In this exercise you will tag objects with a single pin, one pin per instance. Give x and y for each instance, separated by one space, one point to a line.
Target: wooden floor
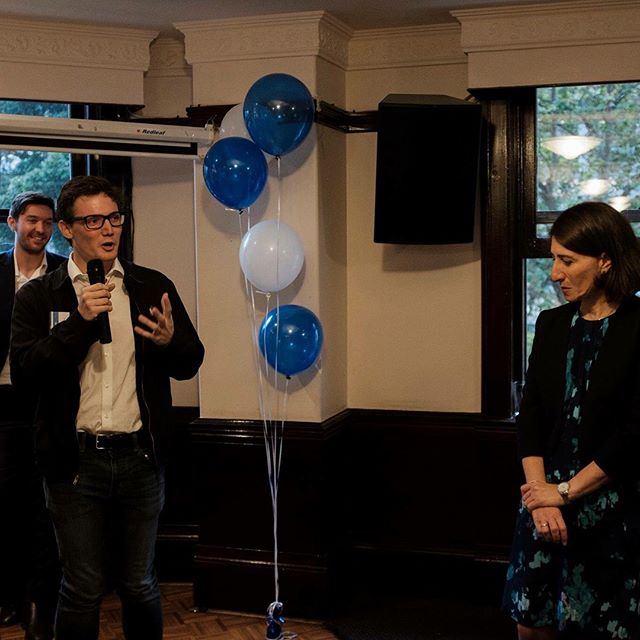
180 623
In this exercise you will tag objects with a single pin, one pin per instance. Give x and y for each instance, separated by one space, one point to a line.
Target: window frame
508 237
508 184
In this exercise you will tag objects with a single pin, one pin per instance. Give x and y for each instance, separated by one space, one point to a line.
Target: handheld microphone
95 271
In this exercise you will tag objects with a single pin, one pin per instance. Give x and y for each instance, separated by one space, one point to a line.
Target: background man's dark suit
28 555
8 292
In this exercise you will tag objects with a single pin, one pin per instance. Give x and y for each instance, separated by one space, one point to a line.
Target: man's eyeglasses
96 221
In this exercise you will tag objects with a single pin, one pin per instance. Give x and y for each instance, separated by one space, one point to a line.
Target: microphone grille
95 271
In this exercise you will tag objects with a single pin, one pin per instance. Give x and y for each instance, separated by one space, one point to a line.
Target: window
527 183
32 170
587 138
48 171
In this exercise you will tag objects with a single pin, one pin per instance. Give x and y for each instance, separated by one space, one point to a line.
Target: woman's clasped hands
543 501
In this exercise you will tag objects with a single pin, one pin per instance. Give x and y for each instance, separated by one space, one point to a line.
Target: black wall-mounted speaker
427 169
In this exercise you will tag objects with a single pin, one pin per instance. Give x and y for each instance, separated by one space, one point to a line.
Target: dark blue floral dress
589 589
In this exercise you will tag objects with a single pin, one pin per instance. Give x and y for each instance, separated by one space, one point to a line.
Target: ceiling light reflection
621 203
595 187
571 147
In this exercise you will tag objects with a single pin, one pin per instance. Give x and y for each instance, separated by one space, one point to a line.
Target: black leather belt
110 441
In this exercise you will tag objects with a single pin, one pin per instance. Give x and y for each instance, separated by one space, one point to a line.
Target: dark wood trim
178 532
406 458
359 492
509 149
185 416
417 419
204 430
175 550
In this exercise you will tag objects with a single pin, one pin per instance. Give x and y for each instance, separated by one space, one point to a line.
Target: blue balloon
293 335
278 111
235 172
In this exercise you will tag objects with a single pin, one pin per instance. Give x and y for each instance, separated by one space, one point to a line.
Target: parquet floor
182 624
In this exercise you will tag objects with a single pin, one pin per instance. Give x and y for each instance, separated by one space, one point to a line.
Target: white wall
163 206
414 311
312 195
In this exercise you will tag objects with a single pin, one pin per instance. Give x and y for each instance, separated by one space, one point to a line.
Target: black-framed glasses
97 220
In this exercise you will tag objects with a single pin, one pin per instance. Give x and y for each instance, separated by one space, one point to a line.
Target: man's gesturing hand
160 329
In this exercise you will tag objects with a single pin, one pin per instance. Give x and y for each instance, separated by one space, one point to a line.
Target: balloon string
252 318
256 353
284 417
278 224
276 463
276 576
273 440
273 413
276 381
275 373
279 185
275 435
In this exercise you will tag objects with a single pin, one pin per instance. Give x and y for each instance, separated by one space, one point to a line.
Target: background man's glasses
116 219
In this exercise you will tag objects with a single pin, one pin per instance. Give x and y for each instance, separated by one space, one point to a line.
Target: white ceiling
161 14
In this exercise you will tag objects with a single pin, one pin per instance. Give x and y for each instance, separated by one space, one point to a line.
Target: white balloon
233 124
271 255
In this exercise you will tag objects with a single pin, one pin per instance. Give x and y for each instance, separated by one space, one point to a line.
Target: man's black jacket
40 352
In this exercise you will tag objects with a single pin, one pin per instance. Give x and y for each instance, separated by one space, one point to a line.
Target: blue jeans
106 526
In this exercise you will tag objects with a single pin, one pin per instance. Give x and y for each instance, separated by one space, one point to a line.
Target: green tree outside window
33 170
609 115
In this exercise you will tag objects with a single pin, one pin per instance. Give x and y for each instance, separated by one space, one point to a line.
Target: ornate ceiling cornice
317 33
560 24
71 44
310 33
167 59
406 47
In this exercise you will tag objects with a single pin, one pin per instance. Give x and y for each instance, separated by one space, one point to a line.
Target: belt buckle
98 437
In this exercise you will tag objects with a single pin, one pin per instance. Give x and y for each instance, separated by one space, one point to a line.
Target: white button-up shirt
108 399
21 280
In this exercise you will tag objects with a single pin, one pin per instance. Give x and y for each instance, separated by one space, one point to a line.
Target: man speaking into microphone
109 342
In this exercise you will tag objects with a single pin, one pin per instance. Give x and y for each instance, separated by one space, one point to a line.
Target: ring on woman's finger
544 524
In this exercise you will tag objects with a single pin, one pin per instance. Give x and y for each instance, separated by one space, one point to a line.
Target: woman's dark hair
594 229
24 199
83 186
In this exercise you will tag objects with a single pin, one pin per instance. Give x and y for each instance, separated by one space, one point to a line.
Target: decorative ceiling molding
561 24
167 59
67 44
577 42
310 33
406 47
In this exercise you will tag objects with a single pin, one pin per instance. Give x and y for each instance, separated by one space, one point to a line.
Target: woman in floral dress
575 564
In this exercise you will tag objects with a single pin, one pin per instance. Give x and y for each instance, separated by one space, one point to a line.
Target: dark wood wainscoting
375 495
432 483
178 531
234 555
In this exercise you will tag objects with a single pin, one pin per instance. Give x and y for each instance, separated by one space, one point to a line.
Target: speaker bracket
346 121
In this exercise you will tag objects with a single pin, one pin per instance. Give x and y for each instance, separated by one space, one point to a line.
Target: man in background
109 334
29 573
